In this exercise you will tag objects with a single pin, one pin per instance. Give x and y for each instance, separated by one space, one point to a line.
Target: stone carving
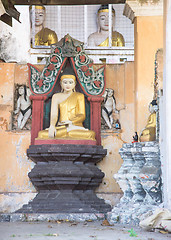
23 107
108 108
140 180
158 87
158 80
101 37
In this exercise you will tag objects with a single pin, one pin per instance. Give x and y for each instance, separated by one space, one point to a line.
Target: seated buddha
67 113
43 36
149 132
101 37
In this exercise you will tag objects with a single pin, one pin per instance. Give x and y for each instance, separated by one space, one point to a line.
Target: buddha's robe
45 37
72 109
149 133
117 40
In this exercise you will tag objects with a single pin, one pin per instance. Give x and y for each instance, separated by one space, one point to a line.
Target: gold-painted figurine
149 132
101 37
43 36
69 105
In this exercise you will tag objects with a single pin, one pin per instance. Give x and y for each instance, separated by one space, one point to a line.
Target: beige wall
15 185
119 77
148 39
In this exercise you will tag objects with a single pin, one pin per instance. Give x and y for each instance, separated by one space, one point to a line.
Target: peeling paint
11 202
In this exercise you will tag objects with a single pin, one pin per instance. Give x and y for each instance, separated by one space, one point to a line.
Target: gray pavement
61 230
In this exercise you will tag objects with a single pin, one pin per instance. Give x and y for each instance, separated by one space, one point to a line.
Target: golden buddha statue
101 37
69 105
149 132
43 36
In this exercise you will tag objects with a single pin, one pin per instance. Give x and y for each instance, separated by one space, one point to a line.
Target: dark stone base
66 177
46 217
65 202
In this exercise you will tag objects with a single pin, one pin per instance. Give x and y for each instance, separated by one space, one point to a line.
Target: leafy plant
132 233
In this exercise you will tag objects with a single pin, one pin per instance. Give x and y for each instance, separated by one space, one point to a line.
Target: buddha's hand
68 123
52 131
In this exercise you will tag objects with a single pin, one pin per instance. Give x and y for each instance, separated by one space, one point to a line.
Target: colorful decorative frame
91 82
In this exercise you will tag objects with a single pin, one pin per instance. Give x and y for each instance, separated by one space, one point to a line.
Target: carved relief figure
149 132
101 37
108 107
43 36
69 107
23 106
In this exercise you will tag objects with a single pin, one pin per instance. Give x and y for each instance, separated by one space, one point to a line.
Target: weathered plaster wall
15 40
148 38
15 186
120 78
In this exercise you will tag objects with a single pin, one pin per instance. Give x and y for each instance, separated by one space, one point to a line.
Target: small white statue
109 105
23 106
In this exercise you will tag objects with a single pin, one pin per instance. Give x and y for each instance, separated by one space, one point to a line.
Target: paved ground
75 231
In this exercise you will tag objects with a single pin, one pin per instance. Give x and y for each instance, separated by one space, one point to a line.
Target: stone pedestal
66 177
140 180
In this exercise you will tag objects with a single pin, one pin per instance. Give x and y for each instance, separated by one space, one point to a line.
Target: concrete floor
74 231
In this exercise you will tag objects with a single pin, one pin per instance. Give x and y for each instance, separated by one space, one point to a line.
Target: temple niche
21 116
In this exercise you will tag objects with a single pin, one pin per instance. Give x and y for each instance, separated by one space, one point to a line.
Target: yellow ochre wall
119 77
148 39
15 185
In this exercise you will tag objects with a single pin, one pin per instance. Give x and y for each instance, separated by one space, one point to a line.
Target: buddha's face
68 84
39 17
153 108
103 19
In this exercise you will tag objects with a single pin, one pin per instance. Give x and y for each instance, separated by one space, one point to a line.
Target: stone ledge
20 217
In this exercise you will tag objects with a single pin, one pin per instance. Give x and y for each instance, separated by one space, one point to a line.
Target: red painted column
37 115
95 116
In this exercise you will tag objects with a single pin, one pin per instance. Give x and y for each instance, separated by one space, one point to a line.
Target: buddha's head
68 83
153 106
103 18
40 13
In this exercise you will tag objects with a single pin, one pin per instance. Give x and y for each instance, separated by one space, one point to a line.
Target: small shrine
65 174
